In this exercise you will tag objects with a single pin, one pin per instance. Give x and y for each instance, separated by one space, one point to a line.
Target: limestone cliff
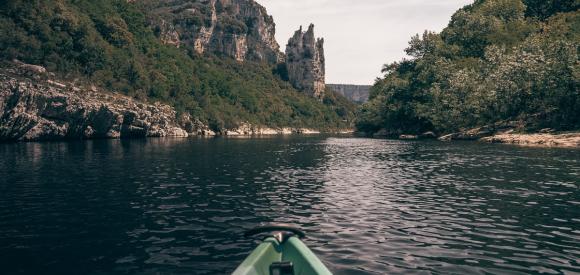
33 107
240 29
305 62
354 93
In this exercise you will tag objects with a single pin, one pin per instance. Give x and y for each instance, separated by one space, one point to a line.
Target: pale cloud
361 35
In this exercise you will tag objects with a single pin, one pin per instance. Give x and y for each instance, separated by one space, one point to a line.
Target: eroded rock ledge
49 110
524 133
247 129
514 132
546 140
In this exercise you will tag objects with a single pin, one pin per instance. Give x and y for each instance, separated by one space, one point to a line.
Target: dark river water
180 206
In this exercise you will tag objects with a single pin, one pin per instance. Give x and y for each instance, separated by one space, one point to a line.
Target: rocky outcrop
354 93
549 140
49 110
484 131
247 129
240 29
168 34
305 63
472 134
516 132
506 132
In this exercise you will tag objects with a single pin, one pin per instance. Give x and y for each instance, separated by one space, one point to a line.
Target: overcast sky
360 35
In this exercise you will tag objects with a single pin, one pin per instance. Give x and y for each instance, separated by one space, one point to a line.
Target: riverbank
523 133
545 140
513 132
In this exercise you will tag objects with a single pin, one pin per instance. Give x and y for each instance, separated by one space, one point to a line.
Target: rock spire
305 62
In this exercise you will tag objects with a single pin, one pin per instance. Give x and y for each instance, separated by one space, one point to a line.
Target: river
369 206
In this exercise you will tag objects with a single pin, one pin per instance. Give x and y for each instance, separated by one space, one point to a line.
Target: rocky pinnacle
305 62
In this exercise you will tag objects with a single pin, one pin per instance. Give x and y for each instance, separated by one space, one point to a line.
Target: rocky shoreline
35 107
517 133
44 109
512 132
544 140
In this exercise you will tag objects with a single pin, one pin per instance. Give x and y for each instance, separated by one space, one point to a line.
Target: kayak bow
281 254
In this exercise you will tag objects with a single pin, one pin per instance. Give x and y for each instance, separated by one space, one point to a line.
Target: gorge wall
354 93
306 63
240 29
35 107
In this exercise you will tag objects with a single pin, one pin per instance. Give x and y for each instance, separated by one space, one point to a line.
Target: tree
493 63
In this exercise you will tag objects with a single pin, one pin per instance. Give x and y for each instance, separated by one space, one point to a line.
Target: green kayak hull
271 251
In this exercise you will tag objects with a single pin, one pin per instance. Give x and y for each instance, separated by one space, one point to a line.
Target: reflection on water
179 206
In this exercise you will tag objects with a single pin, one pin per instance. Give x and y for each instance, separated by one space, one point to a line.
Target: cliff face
41 109
305 62
240 29
354 93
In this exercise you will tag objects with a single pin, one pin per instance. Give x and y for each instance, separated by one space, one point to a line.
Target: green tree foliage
543 9
110 43
497 60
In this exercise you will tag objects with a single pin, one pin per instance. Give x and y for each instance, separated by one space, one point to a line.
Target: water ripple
179 206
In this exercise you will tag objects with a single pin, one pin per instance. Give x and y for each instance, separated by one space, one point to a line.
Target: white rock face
305 63
169 34
247 129
240 29
37 110
306 131
546 140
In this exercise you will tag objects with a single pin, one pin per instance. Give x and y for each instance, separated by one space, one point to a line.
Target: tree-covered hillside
112 44
497 60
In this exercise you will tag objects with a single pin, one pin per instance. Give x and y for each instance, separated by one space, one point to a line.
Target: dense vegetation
498 60
110 43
